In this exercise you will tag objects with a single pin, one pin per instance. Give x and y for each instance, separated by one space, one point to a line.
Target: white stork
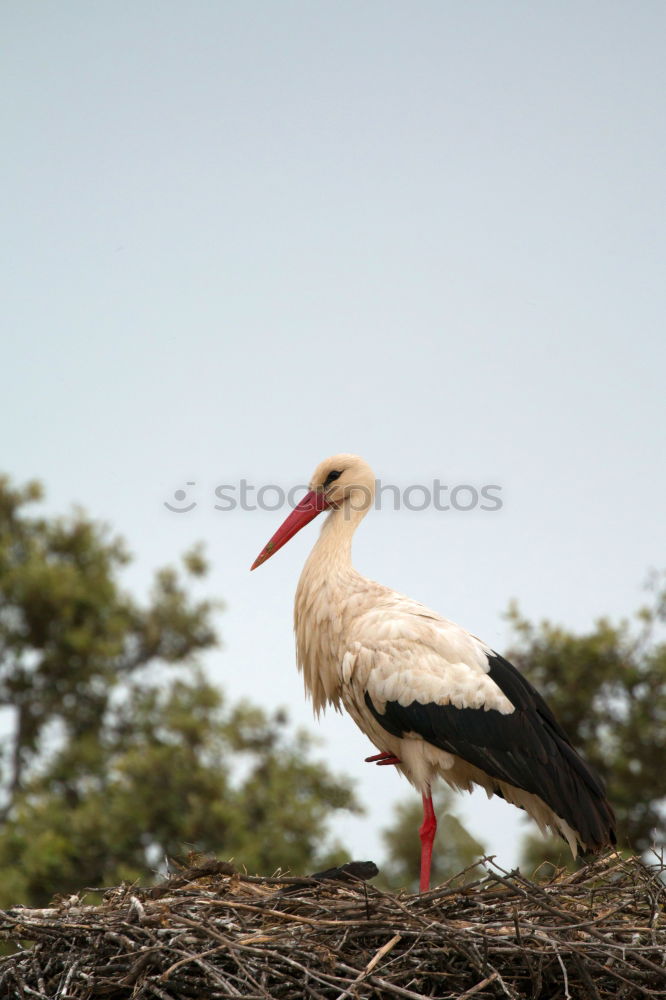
431 697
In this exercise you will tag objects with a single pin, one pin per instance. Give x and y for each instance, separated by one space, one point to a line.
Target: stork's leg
427 832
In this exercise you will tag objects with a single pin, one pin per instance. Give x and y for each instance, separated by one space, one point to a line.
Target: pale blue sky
238 237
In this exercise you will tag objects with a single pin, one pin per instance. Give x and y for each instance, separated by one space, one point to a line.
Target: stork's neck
328 573
321 614
332 551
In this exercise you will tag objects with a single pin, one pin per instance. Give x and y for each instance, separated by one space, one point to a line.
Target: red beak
312 504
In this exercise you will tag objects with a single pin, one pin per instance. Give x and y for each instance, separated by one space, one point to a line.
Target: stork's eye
331 477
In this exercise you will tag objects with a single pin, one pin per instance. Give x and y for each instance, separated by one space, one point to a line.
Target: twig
479 986
376 958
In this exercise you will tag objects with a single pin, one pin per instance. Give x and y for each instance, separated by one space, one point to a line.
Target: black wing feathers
526 748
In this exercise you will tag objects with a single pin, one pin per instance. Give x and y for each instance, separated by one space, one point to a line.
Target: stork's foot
380 759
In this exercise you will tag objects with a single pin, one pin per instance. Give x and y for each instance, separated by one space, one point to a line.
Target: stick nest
210 932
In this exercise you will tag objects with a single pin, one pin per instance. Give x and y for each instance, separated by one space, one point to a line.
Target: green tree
608 689
69 634
107 769
454 849
175 770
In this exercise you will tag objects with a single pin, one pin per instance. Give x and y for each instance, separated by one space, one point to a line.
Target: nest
211 932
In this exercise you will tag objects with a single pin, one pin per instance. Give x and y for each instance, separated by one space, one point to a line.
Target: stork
432 698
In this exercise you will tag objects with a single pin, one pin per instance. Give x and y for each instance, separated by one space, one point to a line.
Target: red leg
427 832
383 758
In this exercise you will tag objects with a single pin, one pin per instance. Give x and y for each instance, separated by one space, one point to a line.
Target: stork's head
344 479
343 483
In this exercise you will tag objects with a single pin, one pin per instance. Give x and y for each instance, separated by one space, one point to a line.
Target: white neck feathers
321 606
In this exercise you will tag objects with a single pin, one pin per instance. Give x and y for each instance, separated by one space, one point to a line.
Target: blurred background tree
107 770
608 689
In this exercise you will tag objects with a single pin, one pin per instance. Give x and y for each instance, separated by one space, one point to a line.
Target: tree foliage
608 689
108 769
69 634
173 771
